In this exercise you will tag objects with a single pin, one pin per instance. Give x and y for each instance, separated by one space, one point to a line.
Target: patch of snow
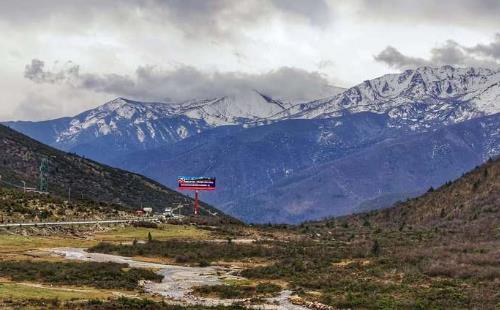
140 134
182 132
152 131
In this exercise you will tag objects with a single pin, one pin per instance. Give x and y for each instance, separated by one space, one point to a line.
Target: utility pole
196 206
44 175
70 183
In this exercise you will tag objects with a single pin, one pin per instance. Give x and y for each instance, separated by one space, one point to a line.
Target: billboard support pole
196 207
196 184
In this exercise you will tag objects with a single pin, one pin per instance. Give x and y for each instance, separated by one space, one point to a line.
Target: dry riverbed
178 281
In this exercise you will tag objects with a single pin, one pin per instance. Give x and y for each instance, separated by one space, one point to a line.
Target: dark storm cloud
184 83
489 50
76 12
394 58
199 18
467 12
35 71
217 18
69 74
450 53
317 12
225 18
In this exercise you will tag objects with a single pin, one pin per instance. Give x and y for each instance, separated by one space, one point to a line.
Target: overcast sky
61 57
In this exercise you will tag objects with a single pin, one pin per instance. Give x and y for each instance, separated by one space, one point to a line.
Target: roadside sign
196 183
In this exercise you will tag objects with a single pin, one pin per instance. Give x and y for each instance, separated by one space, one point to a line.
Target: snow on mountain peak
141 119
422 96
113 104
233 109
417 98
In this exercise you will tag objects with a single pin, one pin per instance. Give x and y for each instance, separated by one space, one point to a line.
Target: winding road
77 222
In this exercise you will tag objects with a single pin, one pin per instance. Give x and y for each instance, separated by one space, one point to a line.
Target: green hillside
469 205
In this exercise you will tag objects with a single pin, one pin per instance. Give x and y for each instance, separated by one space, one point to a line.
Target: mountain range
365 147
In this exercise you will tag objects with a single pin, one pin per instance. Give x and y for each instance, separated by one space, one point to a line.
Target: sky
59 57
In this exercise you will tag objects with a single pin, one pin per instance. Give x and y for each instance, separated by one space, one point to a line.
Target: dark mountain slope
20 158
246 161
44 131
405 165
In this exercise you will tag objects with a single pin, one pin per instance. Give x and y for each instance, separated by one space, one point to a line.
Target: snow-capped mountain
419 98
168 122
120 116
117 127
124 126
245 107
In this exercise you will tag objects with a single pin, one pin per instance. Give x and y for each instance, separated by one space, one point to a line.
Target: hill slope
438 251
20 158
473 200
469 205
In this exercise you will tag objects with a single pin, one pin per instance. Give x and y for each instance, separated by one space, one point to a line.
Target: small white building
168 212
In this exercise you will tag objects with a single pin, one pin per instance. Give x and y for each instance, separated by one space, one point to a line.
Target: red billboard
196 183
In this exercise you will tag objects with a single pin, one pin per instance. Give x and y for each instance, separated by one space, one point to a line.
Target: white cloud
469 13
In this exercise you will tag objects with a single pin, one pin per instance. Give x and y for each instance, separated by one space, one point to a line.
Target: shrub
187 251
145 224
101 275
238 291
123 303
375 250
